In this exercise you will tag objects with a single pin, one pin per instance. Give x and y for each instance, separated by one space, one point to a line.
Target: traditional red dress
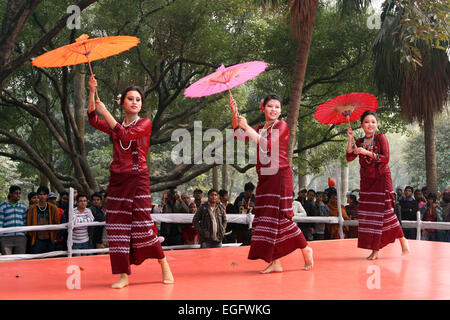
377 223
132 235
274 234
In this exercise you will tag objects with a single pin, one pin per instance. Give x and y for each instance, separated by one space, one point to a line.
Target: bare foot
405 246
166 272
373 255
275 266
308 256
123 282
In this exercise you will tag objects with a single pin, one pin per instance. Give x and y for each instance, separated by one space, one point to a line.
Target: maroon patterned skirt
132 235
377 223
274 234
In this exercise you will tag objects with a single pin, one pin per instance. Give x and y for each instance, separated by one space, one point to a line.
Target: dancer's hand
350 134
92 83
100 106
242 122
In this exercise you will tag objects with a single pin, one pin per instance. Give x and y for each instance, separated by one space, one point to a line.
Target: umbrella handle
90 69
353 138
231 97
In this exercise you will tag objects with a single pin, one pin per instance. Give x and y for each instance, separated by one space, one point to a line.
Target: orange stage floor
340 272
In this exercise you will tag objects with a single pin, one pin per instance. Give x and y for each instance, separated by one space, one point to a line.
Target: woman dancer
129 227
378 224
274 233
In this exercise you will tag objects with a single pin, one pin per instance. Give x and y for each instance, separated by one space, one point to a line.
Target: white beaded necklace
126 126
42 210
265 133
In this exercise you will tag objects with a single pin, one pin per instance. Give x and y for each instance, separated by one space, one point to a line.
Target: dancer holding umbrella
377 223
129 227
132 235
274 233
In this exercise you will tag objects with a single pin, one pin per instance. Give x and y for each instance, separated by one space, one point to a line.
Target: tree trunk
79 101
430 154
304 43
215 177
224 177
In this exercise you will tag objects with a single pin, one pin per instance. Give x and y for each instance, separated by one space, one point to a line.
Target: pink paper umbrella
225 79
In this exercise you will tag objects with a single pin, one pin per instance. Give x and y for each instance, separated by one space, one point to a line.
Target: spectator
52 199
171 231
418 196
298 209
322 211
60 244
81 214
63 202
198 195
352 212
104 197
42 213
333 229
432 212
13 213
408 209
224 200
32 198
244 204
445 205
398 196
399 193
302 195
310 208
97 234
229 208
210 221
425 192
190 235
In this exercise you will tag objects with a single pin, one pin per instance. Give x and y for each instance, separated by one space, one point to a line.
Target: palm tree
421 90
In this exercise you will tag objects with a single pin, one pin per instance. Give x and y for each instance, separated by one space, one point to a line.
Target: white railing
186 218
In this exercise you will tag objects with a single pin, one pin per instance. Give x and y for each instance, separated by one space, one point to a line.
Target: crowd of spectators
209 227
45 209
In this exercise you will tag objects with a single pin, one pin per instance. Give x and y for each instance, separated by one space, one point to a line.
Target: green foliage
414 154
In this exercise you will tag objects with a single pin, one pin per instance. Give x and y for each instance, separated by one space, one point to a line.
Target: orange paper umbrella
85 50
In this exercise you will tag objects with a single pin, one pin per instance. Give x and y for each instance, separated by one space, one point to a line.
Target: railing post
70 224
338 189
419 226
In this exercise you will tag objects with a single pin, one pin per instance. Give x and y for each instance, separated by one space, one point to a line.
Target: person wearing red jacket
131 232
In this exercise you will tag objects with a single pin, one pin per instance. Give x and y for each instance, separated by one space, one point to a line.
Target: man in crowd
13 213
81 214
96 236
408 208
210 221
42 213
173 203
244 204
198 195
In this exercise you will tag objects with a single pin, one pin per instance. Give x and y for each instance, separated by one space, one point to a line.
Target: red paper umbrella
345 108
